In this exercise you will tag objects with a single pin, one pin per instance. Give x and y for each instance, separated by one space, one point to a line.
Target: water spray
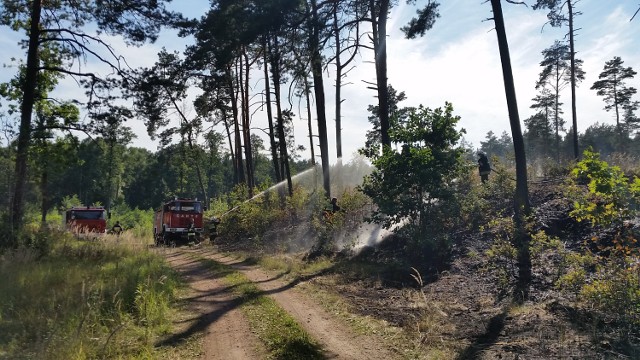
272 188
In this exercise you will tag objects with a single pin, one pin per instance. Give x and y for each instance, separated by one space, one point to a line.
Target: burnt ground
461 312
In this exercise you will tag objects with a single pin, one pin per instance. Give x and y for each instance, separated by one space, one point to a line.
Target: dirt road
227 333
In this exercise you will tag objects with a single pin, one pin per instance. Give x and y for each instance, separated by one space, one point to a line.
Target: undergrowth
600 275
65 298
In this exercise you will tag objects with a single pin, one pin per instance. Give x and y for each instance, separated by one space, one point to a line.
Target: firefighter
213 228
328 213
334 205
484 169
117 228
191 231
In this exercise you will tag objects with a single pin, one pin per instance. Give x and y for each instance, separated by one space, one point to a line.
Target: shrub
140 222
482 203
607 280
610 199
614 292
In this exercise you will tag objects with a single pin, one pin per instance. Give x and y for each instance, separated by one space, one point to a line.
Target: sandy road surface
227 335
226 327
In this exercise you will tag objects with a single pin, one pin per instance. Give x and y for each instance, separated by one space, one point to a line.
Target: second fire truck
178 220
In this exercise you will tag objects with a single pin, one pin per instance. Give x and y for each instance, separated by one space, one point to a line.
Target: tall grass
79 299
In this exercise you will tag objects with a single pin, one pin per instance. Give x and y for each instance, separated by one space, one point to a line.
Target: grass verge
83 299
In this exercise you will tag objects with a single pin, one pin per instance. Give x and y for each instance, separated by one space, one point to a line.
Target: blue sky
457 61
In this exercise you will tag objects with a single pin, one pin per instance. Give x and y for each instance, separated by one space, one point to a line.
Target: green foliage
603 138
611 86
249 218
605 281
69 202
550 259
415 188
502 255
301 222
339 230
610 199
140 222
82 300
501 147
408 184
614 291
481 203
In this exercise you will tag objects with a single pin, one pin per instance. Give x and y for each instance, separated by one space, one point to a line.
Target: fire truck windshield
87 215
195 207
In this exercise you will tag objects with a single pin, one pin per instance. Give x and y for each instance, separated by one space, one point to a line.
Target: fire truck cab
85 219
178 219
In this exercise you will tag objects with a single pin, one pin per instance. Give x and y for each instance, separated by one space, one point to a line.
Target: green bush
250 219
614 292
502 255
481 203
609 200
605 277
139 222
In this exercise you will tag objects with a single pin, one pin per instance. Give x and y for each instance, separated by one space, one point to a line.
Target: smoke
308 224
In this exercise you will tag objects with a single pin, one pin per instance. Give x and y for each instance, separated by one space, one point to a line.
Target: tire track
227 335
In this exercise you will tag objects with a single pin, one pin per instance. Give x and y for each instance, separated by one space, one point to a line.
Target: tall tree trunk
43 160
338 101
45 195
307 91
557 119
338 94
236 128
379 27
282 140
521 199
621 141
574 115
110 160
26 110
233 154
246 120
318 87
195 157
267 92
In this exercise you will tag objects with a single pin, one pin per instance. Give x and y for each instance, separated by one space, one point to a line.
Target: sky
457 62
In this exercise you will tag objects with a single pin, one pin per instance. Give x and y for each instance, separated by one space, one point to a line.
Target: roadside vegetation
449 292
64 297
541 261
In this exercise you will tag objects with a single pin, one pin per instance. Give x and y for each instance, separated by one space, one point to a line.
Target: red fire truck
84 219
178 219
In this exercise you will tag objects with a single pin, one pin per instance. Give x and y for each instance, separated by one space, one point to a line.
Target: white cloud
456 61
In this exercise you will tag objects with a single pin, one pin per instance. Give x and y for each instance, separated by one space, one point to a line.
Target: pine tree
615 92
556 75
557 18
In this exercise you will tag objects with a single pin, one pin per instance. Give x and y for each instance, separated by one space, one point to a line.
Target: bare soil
458 310
227 334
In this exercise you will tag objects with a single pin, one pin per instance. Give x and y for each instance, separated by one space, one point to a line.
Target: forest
552 233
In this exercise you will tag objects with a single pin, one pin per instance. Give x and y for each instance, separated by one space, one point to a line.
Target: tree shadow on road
486 340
